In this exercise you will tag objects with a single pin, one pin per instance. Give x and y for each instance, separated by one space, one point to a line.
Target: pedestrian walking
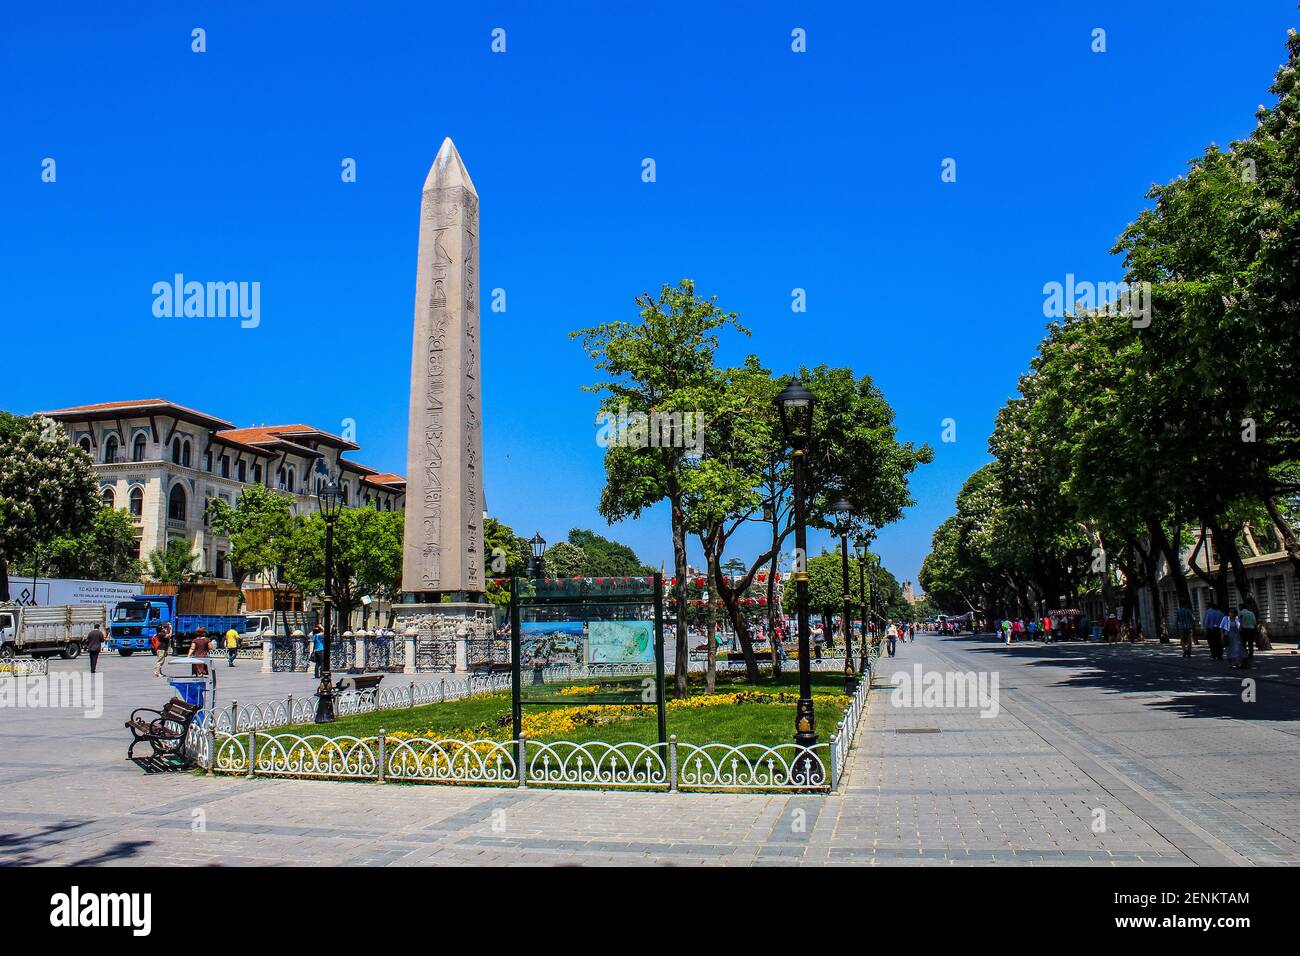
1236 650
891 637
94 644
161 642
232 646
1249 633
318 650
1184 621
199 649
1212 621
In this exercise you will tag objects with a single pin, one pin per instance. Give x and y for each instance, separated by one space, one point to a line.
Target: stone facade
162 462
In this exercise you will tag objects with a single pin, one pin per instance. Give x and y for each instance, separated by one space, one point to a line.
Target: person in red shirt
199 648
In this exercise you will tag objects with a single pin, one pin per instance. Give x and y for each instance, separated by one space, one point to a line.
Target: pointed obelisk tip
448 170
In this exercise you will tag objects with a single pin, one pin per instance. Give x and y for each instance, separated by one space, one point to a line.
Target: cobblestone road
1185 772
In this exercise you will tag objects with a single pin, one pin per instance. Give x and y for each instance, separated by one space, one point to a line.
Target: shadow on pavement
1197 687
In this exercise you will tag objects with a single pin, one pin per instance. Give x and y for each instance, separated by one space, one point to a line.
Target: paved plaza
1161 751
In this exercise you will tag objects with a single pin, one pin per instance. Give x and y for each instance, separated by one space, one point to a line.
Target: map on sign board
620 642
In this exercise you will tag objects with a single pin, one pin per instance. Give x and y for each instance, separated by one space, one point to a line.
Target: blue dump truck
134 622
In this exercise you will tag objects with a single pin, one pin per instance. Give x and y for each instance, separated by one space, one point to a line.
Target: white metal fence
24 666
241 740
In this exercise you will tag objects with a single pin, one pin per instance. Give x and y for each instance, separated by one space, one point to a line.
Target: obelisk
442 560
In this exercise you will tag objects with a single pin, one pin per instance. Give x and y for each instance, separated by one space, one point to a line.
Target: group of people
161 645
1048 629
1234 634
891 634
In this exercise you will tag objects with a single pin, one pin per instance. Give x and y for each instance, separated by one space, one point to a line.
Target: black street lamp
861 543
331 501
795 403
537 563
843 512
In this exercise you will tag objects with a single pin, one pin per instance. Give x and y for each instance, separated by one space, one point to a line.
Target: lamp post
795 403
843 512
537 564
861 543
331 501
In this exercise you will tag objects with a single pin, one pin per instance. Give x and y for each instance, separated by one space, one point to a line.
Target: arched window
257 473
345 494
137 449
292 486
85 444
136 502
176 504
110 449
108 498
185 455
176 451
282 478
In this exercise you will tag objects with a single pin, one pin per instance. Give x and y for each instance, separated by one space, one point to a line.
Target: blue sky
775 170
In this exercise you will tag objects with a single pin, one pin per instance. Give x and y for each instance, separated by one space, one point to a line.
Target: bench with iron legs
165 734
360 682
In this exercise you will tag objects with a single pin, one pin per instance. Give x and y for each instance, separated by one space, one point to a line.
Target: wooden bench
360 682
165 734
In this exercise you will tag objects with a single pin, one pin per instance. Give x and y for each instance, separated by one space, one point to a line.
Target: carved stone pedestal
444 637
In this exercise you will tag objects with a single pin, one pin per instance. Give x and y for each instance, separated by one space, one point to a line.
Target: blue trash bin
192 690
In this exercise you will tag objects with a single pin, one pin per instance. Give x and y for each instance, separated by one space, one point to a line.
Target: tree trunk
710 638
1239 576
1286 532
1226 543
1132 581
682 685
1107 580
1170 552
771 614
731 600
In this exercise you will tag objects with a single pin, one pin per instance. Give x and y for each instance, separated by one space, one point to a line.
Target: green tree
565 560
47 488
256 527
106 551
606 558
855 452
658 364
367 557
175 563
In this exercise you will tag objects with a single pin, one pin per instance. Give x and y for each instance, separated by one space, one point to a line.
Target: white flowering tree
47 488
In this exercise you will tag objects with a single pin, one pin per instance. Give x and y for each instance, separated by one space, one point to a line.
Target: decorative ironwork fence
385 758
239 739
24 667
290 653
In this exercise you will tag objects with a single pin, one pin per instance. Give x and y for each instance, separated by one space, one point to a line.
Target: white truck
50 629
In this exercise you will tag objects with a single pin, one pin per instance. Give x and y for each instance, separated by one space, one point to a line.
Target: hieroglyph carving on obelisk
443 549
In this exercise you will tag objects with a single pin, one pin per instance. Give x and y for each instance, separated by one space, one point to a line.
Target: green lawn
488 716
